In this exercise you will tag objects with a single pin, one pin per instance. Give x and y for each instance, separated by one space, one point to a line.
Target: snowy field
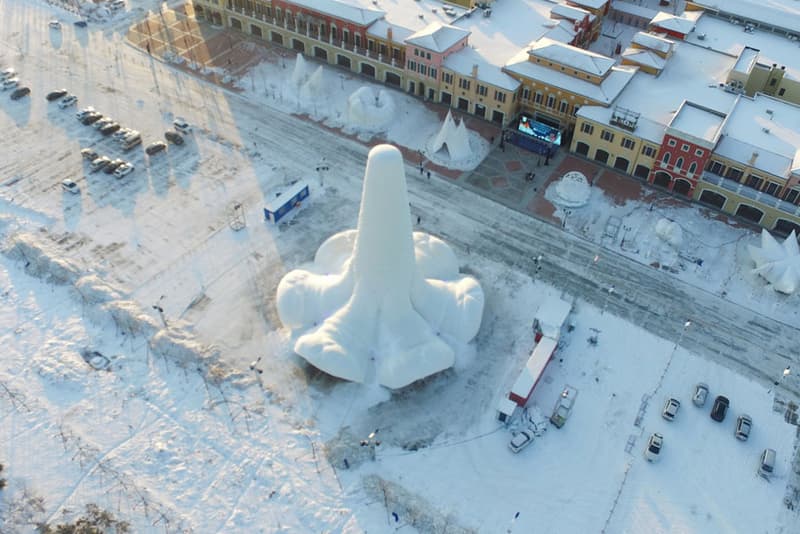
175 432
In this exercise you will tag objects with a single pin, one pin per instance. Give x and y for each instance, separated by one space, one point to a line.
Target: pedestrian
346 464
429 175
539 162
418 219
420 169
492 141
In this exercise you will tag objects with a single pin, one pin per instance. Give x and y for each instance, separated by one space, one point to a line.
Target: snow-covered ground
178 433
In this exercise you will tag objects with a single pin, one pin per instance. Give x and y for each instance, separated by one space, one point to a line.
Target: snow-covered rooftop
767 126
647 129
784 14
571 12
653 42
729 38
343 10
591 4
465 59
437 37
605 93
571 56
699 122
747 58
633 9
678 23
644 57
562 31
381 29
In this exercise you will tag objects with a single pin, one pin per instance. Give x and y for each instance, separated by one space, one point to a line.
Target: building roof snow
652 41
465 59
437 37
633 9
571 13
362 16
783 14
645 58
677 23
380 29
562 31
571 56
747 59
591 4
698 122
647 129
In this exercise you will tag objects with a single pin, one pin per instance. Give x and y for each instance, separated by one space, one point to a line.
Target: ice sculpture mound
778 263
381 293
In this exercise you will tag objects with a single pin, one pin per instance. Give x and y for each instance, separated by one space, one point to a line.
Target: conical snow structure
299 73
381 293
454 138
314 88
778 263
367 109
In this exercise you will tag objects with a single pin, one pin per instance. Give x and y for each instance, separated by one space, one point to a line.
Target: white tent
454 138
778 263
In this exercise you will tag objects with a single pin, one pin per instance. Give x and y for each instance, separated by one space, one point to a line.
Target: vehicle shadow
18 110
56 38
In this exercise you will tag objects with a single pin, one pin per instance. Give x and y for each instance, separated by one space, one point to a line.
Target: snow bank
670 232
381 292
41 260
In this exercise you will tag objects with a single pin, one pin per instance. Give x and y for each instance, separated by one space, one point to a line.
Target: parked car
55 95
121 133
109 129
766 464
155 147
56 25
102 121
89 154
70 186
720 408
131 140
80 23
124 170
173 137
671 407
67 101
521 439
9 83
84 112
7 73
20 92
181 125
654 445
743 425
92 117
113 166
700 394
100 162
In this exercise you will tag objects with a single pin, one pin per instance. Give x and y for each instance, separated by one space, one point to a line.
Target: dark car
55 95
89 154
113 166
19 93
155 148
80 23
91 118
720 408
173 137
109 129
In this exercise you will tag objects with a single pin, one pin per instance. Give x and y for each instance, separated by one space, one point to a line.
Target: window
412 65
433 73
773 189
773 82
716 167
428 56
605 135
423 69
526 93
464 84
416 52
628 143
754 181
793 197
693 167
587 128
699 153
685 148
648 151
563 106
734 174
551 101
447 78
672 142
665 159
482 90
500 96
538 97
781 91
679 164
575 110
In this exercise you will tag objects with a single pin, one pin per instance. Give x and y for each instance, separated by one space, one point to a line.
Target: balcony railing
748 192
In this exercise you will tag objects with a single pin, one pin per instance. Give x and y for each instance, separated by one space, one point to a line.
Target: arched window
665 159
679 163
692 167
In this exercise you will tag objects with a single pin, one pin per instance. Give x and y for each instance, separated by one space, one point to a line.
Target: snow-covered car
700 394
100 162
9 83
521 439
654 445
113 166
89 154
103 121
7 73
70 186
55 95
91 118
155 147
173 137
671 407
80 23
766 463
20 92
84 112
124 170
720 408
110 128
744 423
121 133
67 101
181 125
56 25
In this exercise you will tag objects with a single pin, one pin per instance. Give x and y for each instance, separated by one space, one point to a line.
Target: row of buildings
703 103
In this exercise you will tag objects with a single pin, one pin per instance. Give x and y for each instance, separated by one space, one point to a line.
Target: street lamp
371 442
786 372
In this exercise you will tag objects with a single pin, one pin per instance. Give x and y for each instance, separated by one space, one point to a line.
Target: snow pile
314 89
778 263
670 232
299 74
381 292
571 191
369 110
455 139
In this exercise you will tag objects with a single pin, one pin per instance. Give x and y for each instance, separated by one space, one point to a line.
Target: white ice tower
381 293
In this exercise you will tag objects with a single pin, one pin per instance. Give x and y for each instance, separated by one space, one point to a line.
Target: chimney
475 70
753 159
389 34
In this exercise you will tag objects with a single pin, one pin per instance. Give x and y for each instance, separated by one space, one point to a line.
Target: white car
84 112
521 439
102 122
67 101
124 170
70 186
654 445
671 407
10 83
181 125
700 394
55 24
